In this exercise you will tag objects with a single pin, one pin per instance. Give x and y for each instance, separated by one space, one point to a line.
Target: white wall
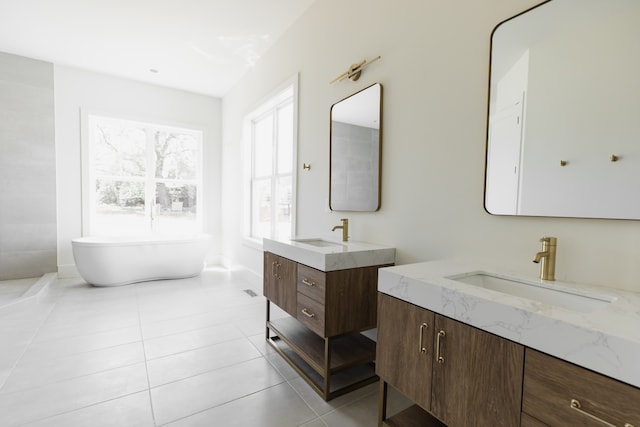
78 91
434 69
582 118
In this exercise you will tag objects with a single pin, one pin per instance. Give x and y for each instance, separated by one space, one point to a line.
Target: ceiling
202 46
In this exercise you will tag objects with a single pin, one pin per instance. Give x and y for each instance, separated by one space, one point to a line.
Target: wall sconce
353 73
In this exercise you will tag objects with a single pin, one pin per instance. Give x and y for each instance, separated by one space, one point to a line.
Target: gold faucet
548 257
344 227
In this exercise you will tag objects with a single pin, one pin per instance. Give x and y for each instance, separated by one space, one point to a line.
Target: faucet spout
548 258
539 256
344 227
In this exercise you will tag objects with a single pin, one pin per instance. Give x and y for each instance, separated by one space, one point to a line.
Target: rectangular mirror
563 137
355 144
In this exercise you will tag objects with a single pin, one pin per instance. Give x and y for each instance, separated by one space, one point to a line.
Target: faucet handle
549 240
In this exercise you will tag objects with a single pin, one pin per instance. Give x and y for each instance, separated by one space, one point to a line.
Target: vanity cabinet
321 339
279 283
558 393
458 375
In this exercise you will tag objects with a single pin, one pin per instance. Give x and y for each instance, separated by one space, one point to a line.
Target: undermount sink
544 292
317 242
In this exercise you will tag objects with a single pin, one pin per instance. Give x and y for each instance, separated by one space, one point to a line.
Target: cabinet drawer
311 282
311 314
551 385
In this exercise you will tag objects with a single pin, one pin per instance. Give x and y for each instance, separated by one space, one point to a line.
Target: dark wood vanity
321 338
458 376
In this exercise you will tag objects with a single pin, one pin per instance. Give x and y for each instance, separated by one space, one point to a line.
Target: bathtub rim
102 241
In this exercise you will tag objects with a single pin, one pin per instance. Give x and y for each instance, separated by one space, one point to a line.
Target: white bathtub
115 261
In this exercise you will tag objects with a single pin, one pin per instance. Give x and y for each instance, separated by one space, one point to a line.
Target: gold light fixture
353 73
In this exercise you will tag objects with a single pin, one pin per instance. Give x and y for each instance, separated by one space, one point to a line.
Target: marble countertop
606 340
338 256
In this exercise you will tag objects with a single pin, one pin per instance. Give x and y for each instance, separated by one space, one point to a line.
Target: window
271 133
142 178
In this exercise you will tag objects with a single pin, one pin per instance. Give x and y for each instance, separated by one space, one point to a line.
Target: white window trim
264 104
87 179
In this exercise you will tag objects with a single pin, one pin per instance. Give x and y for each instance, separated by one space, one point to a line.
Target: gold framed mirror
564 102
355 151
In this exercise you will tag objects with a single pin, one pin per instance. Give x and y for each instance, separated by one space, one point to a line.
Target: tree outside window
146 178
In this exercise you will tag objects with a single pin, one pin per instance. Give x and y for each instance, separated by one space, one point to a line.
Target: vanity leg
382 402
267 322
327 368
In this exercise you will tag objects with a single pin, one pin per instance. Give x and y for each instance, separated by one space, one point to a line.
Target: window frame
269 104
89 177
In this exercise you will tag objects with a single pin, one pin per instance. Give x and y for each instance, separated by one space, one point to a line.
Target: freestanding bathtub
115 261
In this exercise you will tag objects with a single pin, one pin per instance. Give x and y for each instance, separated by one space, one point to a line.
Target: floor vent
251 293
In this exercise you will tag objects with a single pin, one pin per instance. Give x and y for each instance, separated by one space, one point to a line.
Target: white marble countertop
606 340
338 256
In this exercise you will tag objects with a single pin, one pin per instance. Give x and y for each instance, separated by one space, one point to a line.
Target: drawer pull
308 283
575 404
421 348
440 358
306 313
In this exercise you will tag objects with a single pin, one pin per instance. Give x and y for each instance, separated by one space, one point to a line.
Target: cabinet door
400 359
280 282
477 377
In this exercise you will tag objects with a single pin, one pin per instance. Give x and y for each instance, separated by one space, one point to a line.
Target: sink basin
547 293
318 242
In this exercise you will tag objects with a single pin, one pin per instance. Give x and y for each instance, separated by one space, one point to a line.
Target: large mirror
355 151
564 111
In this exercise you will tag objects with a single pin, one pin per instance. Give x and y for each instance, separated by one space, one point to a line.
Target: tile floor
177 353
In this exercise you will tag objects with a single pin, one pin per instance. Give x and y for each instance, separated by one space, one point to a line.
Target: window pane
176 155
120 208
261 209
175 209
285 139
283 207
120 150
263 147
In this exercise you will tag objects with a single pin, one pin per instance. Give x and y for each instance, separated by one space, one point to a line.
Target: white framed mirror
563 133
355 145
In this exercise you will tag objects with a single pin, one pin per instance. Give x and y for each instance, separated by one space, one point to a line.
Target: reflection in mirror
565 98
354 181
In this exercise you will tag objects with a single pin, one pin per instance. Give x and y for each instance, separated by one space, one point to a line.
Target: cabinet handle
441 334
308 283
273 269
306 313
575 404
278 271
421 348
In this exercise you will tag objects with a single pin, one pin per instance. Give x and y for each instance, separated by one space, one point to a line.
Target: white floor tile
278 406
33 373
86 356
183 398
53 399
133 410
191 340
190 363
83 343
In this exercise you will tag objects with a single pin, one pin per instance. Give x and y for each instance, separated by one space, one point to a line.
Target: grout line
146 365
